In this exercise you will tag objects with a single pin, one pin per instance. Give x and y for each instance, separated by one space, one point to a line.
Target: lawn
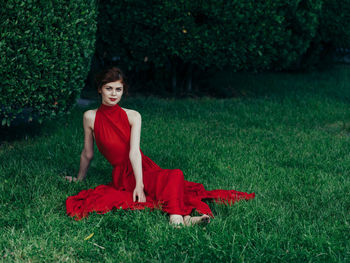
286 138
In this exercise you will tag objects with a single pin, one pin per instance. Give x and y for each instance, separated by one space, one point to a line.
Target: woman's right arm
88 152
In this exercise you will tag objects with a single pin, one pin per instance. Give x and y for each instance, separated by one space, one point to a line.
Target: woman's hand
138 194
71 178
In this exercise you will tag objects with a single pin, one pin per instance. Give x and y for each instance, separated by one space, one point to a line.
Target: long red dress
165 189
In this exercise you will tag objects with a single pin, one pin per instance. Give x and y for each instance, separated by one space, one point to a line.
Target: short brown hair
108 75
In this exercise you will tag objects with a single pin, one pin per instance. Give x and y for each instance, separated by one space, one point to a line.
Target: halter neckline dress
165 189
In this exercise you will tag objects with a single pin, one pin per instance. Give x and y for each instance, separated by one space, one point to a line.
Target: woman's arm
87 153
135 154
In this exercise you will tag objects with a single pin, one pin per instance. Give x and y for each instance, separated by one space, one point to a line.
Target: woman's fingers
71 178
68 178
142 198
138 196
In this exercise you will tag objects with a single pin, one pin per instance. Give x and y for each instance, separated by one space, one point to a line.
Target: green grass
287 140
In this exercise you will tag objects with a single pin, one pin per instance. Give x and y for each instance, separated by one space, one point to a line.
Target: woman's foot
176 220
195 220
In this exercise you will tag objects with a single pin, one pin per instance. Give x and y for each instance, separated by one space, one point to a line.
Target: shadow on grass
21 129
333 83
20 132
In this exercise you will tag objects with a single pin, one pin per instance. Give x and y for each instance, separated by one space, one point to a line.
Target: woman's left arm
135 154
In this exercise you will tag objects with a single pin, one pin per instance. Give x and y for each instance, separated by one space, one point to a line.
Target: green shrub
45 54
333 32
182 37
246 35
335 23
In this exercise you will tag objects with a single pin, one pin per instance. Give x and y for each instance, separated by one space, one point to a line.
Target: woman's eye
117 89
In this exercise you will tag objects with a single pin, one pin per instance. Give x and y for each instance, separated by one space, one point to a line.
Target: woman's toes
176 220
205 219
195 220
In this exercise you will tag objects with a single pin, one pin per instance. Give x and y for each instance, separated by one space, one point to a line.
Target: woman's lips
112 99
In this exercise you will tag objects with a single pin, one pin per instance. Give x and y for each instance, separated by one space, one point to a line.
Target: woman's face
111 93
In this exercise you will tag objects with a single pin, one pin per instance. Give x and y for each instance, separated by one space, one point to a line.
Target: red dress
165 189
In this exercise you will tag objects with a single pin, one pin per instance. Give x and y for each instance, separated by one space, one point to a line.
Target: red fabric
165 189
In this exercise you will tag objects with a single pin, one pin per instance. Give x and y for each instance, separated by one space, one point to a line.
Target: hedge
176 35
333 33
45 55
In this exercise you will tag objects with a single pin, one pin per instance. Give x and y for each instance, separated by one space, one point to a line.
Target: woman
137 182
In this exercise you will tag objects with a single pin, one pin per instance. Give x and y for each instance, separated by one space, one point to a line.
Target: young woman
137 182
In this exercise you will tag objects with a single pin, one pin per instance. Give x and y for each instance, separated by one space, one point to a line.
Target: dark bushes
182 37
333 32
244 35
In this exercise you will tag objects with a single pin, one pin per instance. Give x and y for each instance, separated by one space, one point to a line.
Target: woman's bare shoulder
130 111
90 113
89 116
132 114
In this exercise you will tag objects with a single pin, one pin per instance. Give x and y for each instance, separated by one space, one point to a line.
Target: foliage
247 35
45 53
182 37
335 23
333 33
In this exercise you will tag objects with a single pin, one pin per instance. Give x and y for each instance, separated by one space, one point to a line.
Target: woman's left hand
139 194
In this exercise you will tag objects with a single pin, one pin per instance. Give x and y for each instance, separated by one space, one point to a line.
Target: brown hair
108 75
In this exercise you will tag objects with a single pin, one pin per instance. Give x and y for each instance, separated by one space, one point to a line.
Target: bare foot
176 220
195 220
